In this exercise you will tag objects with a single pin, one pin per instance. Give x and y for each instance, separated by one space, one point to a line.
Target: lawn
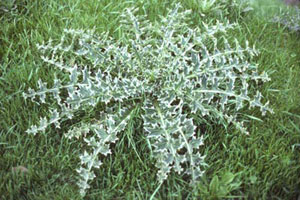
265 164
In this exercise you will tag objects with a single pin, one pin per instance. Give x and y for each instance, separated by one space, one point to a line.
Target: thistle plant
171 71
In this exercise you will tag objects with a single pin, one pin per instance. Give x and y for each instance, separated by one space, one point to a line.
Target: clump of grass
290 20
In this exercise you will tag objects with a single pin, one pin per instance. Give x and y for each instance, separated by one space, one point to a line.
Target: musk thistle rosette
169 70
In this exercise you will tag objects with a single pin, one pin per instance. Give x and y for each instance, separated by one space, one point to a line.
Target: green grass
265 164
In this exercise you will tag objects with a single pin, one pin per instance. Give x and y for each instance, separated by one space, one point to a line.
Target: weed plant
261 165
167 70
